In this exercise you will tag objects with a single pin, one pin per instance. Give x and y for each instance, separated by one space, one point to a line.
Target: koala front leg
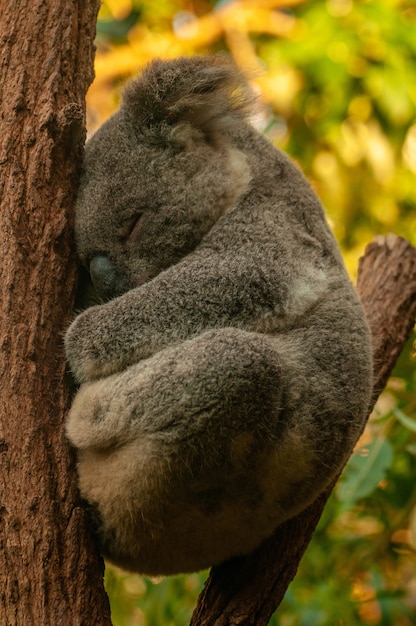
206 290
176 305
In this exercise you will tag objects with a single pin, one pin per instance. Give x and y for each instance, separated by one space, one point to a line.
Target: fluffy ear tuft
203 91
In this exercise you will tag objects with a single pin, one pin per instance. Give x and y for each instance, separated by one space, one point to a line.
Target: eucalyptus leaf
406 421
365 470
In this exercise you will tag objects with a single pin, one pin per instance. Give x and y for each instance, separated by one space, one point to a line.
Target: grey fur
227 378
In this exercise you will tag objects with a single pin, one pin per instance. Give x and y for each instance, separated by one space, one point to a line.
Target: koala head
161 171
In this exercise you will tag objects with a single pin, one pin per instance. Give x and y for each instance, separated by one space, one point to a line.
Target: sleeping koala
226 374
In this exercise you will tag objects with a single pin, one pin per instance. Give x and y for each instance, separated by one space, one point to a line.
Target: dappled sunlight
409 149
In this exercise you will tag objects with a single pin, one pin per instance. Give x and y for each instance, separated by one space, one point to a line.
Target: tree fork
247 590
50 570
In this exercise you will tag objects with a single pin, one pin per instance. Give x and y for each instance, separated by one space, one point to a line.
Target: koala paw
83 348
91 422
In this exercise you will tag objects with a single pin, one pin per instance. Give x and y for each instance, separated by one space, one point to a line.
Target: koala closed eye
226 376
134 227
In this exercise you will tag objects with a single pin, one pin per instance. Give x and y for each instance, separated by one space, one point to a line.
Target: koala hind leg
188 455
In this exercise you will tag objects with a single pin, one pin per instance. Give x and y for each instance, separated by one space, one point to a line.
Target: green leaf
365 470
406 421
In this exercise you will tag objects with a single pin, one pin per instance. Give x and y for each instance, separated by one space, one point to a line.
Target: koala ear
204 92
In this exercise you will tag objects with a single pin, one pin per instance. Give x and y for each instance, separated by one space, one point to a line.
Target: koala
224 370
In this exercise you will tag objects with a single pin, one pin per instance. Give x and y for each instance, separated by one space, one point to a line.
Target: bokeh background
336 82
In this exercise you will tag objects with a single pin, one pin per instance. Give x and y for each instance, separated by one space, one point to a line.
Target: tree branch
247 590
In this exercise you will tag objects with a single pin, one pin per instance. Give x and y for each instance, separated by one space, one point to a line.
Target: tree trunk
246 591
50 571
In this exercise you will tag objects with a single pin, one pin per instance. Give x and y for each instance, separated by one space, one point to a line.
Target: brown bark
246 591
50 572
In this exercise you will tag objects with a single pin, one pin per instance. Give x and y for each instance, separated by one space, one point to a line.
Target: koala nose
104 276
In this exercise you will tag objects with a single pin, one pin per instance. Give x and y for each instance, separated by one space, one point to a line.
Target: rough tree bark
246 591
50 571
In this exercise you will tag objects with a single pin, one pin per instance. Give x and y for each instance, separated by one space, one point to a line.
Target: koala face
144 204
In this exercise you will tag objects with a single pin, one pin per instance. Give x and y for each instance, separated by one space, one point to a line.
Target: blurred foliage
337 87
